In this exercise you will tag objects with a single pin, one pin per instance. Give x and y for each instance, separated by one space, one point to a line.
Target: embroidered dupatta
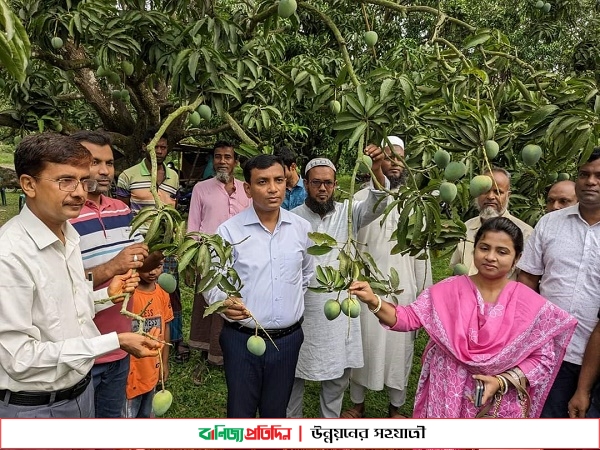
463 343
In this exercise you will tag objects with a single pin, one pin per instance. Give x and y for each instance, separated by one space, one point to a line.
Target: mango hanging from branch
286 8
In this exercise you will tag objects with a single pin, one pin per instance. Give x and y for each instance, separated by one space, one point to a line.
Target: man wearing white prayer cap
387 355
330 350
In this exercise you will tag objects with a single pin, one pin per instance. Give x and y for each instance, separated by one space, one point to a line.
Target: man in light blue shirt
294 190
272 261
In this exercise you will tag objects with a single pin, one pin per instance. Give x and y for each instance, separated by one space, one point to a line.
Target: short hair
150 133
501 170
224 144
287 155
262 161
93 137
36 150
505 225
594 156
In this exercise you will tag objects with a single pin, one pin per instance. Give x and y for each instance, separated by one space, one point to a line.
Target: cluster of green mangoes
480 184
203 112
349 306
544 6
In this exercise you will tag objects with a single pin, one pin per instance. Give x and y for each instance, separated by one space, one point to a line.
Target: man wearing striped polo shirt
107 250
133 188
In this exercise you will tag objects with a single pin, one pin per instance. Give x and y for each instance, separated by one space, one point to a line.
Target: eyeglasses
70 184
317 183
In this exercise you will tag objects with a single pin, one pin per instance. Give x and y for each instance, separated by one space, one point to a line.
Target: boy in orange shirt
144 373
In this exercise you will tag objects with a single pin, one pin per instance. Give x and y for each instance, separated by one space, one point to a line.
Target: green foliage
15 48
507 72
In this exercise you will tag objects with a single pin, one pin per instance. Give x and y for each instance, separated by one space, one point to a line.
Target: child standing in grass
150 301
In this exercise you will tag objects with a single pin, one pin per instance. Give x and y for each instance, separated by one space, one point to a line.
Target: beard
223 177
398 181
319 207
489 213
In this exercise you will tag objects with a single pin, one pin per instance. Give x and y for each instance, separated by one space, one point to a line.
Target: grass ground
209 399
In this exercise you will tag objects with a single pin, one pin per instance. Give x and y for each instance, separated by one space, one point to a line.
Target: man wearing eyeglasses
330 351
48 339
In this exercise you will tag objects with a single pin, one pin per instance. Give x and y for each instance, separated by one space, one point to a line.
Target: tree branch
338 37
427 9
257 18
208 131
238 130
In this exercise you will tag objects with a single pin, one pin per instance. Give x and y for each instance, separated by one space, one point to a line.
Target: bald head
561 195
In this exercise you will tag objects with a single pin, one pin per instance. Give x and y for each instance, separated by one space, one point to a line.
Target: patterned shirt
134 183
104 232
294 196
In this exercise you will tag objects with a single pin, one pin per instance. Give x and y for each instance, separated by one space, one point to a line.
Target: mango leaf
481 38
394 278
319 289
217 307
318 250
322 239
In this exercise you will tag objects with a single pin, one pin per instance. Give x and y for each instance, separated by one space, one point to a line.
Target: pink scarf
462 344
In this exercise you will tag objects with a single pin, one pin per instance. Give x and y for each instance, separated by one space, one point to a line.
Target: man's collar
40 233
146 172
252 218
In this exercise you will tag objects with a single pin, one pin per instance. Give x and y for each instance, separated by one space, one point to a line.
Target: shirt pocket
292 268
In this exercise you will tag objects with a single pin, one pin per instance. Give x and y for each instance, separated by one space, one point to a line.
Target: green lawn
209 400
6 154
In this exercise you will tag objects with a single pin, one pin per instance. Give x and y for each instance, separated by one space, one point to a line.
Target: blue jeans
562 390
139 407
109 381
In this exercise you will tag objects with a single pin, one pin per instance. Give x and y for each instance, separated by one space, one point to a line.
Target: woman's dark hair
36 150
260 162
505 225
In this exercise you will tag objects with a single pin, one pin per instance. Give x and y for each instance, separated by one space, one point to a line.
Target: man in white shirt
560 261
48 340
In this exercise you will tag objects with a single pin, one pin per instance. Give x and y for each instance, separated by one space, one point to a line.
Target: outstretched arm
590 371
400 318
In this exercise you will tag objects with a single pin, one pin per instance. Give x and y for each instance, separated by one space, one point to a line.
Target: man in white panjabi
330 350
387 355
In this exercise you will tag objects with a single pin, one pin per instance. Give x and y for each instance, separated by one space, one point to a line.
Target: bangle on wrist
503 384
379 302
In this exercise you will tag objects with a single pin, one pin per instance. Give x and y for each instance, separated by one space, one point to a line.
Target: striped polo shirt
134 183
104 232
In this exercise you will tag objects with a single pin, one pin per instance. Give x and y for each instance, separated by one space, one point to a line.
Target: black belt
25 398
274 333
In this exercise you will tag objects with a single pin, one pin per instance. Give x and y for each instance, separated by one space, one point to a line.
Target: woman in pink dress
483 327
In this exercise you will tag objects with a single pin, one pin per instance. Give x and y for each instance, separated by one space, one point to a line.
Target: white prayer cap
318 162
394 140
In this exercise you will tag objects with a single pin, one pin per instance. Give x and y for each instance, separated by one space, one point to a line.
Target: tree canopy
445 75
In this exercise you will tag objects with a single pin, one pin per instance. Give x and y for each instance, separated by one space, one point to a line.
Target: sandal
182 352
356 412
